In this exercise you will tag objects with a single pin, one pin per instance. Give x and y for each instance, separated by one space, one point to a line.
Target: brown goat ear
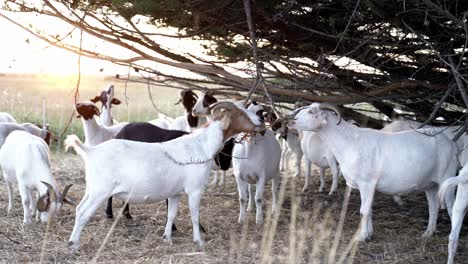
43 203
115 101
96 99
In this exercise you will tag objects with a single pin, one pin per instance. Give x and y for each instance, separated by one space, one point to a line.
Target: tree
398 54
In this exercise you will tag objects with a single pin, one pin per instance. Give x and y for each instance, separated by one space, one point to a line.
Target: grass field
303 232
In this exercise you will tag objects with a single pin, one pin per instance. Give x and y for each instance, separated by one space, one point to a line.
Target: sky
24 53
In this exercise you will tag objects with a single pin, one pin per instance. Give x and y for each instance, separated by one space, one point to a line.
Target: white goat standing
391 163
256 161
151 172
25 161
459 208
317 152
95 133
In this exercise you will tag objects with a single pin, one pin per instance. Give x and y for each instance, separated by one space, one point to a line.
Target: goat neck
106 115
210 138
91 127
338 136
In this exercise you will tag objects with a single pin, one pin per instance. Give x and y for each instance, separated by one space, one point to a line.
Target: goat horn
325 106
220 105
65 191
52 194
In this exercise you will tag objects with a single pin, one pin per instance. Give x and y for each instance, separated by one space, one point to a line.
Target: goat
317 152
183 166
257 163
145 132
106 97
224 157
25 161
6 117
392 163
289 140
459 208
6 128
95 133
187 122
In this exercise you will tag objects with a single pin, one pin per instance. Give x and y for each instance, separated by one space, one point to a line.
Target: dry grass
304 234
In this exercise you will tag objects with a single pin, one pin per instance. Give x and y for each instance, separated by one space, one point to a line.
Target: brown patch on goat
87 110
234 121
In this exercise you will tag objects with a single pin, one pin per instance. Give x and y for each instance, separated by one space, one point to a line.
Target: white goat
95 133
291 147
106 97
151 172
6 128
25 161
317 152
391 163
257 162
6 117
186 122
459 208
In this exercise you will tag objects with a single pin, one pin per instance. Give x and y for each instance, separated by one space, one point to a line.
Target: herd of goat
146 162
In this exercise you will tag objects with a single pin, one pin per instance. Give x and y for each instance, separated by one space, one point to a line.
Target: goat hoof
427 234
249 209
305 189
259 221
362 237
73 246
110 216
128 216
240 221
332 193
200 242
174 228
167 240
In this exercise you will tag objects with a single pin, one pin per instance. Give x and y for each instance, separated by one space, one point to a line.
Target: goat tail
450 182
74 142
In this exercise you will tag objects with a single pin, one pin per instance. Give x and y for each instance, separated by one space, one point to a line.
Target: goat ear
115 101
96 99
43 203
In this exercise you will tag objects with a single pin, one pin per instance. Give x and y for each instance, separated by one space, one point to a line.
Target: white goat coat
148 172
392 163
6 117
25 162
96 133
317 152
6 128
256 161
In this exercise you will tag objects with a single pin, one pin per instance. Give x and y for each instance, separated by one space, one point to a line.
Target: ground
308 225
